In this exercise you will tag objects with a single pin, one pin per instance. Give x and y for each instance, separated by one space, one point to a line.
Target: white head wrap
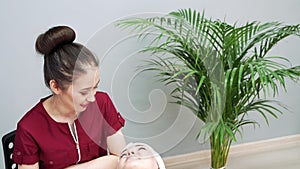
158 158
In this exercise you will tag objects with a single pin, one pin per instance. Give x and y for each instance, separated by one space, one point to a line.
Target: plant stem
219 150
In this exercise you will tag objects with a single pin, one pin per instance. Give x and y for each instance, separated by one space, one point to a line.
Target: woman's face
137 156
82 91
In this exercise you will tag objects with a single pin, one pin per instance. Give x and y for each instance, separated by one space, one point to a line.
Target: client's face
137 156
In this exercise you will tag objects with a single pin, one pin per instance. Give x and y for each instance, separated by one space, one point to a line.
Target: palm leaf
222 72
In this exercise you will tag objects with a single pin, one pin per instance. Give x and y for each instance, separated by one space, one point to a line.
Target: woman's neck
58 111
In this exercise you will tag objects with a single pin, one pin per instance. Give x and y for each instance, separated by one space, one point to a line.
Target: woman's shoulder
103 100
101 93
102 96
35 115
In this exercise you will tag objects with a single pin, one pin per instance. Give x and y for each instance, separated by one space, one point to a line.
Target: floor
281 158
285 155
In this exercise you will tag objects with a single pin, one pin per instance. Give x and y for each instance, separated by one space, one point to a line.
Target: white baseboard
236 150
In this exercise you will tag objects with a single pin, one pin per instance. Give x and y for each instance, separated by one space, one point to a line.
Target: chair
8 145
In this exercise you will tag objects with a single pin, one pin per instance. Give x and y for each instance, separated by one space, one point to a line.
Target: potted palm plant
222 72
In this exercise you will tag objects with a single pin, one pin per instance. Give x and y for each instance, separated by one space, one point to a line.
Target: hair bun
53 38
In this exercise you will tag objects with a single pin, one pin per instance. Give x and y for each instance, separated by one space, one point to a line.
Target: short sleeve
25 149
113 117
101 119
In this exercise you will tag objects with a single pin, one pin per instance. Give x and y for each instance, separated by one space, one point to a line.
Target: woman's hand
116 143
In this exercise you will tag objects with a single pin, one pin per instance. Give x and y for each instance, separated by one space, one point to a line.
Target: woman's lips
84 105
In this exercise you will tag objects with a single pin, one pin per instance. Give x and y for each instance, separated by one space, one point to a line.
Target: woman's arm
104 162
116 143
33 166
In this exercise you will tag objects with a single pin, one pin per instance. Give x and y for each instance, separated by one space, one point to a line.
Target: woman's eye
83 93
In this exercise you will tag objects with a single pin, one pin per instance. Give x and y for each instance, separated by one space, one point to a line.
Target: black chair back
8 146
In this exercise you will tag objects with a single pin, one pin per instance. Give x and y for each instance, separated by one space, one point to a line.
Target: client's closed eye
142 148
124 154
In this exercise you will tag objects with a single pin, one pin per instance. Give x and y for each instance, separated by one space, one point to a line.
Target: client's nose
130 153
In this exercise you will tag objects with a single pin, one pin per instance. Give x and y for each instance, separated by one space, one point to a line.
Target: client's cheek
121 163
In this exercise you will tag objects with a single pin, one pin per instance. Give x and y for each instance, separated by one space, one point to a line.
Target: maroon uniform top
41 139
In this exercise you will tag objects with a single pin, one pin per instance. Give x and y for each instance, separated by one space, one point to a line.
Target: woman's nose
91 97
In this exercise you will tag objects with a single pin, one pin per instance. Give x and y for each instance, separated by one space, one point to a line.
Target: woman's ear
55 87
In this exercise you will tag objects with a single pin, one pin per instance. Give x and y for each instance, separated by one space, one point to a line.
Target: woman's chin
81 108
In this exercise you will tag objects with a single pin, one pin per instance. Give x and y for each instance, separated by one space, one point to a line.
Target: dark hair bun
57 36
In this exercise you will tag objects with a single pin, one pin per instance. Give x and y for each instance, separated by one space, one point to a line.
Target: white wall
149 117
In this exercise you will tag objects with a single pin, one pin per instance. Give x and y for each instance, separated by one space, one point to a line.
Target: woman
76 125
140 156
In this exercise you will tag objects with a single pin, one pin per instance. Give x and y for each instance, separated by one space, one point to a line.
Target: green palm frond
222 72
